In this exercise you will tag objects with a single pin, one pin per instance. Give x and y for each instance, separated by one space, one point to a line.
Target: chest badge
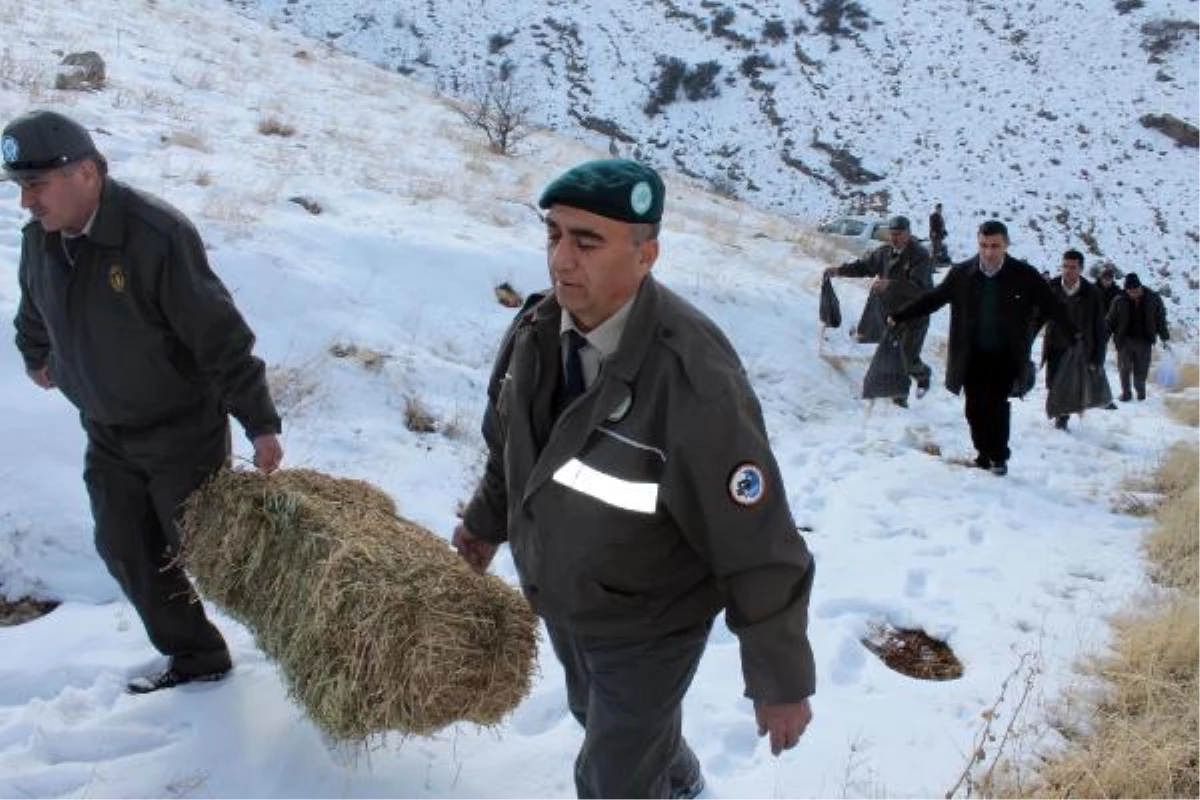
116 278
747 486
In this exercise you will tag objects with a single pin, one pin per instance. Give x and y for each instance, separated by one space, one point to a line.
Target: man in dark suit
992 297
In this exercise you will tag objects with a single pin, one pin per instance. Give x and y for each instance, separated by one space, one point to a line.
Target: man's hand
785 722
891 322
41 376
476 552
268 453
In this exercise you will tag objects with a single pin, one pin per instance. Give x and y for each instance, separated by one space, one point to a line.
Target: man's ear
647 254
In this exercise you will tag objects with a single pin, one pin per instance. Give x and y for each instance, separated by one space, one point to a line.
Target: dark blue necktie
573 384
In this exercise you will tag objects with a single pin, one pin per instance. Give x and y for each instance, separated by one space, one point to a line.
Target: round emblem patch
641 198
12 150
747 486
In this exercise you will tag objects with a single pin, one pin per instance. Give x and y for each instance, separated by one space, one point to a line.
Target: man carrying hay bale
120 311
630 472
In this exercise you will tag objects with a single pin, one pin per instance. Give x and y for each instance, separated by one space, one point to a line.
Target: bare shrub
498 107
418 418
273 126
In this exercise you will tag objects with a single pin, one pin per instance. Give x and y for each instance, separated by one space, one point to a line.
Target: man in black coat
1085 305
1137 317
992 298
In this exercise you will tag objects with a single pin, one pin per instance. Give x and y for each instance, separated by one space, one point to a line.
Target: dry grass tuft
1184 408
1139 734
371 360
1188 376
273 126
418 418
376 623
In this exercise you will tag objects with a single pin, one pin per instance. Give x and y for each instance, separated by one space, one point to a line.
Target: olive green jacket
653 501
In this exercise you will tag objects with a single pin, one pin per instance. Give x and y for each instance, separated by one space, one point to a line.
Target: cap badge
641 198
747 485
12 150
116 278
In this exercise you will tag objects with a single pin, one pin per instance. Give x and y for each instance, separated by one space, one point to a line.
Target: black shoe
901 401
1000 468
983 463
689 790
922 387
1061 423
1125 397
169 678
1111 406
1141 396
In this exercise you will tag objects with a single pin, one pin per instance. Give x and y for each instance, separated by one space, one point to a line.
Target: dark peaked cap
615 188
41 141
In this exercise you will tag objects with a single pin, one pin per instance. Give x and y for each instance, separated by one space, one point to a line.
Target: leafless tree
500 109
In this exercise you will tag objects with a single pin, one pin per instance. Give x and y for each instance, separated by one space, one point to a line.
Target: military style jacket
140 329
653 501
909 272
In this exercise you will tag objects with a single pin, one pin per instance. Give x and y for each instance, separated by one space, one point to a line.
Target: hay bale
377 624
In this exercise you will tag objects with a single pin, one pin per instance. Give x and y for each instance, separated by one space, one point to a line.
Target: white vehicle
856 235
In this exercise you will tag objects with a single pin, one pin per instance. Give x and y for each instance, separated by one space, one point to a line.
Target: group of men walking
998 305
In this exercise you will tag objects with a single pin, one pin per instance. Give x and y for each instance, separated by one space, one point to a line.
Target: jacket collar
108 226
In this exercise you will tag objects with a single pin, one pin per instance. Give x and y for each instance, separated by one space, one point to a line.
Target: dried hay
377 624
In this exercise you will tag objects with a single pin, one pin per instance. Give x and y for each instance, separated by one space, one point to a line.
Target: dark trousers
1133 365
136 480
627 695
989 381
912 339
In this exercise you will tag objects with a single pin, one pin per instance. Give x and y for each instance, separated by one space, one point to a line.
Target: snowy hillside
362 229
1035 113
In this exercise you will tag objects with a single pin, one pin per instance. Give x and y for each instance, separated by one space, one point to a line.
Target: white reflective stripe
631 496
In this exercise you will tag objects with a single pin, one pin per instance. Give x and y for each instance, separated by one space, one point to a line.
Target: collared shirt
1070 291
72 243
989 272
602 341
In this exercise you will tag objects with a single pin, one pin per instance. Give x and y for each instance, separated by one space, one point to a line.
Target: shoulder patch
747 485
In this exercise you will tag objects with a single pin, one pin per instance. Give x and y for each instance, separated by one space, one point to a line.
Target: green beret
614 188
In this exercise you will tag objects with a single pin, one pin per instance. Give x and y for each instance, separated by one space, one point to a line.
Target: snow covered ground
418 225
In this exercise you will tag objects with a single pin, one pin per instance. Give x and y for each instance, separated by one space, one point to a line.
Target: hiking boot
1061 423
689 790
922 387
169 678
1000 468
982 463
1141 395
901 401
1125 397
1111 406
